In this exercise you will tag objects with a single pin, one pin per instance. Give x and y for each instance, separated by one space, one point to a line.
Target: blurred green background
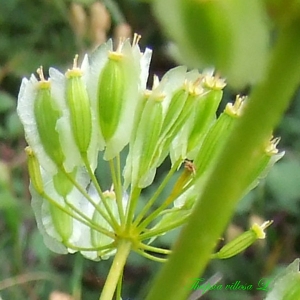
50 33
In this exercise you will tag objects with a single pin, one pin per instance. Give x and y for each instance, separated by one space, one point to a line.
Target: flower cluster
103 108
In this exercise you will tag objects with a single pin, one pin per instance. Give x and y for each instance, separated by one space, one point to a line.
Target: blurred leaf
4 175
230 35
7 201
283 182
7 102
14 126
39 248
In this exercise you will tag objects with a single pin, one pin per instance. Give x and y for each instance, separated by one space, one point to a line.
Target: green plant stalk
111 218
154 197
224 186
76 277
119 288
116 270
117 184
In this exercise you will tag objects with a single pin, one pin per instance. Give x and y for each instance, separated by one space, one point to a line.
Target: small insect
189 165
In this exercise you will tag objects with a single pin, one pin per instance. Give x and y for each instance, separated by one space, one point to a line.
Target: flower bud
80 108
243 241
46 114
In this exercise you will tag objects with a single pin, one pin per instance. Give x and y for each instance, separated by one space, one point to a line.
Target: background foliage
49 33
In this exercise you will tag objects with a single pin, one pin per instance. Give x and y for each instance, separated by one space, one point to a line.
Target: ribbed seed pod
217 135
146 140
194 92
169 127
204 114
46 115
110 95
34 171
264 159
243 241
80 108
179 145
63 223
174 110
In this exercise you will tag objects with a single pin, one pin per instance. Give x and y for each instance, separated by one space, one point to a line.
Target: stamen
136 39
75 61
41 73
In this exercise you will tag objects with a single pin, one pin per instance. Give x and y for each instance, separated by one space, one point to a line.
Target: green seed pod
62 222
80 108
243 241
216 136
174 110
62 184
146 141
263 160
34 171
46 115
110 95
177 136
204 114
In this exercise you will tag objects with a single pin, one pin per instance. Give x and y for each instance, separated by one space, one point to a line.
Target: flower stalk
116 270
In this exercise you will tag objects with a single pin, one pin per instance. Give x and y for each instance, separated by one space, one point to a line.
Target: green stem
133 199
224 186
77 277
111 220
116 179
116 270
119 288
119 188
154 249
152 200
149 256
89 198
161 230
83 219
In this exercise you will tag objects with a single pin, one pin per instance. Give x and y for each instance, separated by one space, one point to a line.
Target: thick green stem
116 270
225 185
